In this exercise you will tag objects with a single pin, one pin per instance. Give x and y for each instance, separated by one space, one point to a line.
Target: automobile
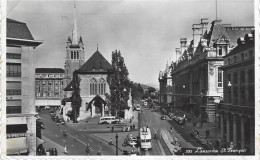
61 121
138 107
38 117
163 117
125 152
202 140
195 134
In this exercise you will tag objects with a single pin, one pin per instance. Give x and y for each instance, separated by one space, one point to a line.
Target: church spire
74 31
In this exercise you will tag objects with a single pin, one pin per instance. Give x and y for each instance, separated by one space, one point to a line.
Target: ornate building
196 76
165 91
75 53
237 112
92 74
49 86
20 101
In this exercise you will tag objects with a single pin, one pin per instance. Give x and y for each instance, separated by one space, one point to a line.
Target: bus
145 138
108 120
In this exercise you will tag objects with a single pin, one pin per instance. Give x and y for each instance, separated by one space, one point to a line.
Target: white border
257 104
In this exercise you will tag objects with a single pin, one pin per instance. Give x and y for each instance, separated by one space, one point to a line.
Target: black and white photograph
129 78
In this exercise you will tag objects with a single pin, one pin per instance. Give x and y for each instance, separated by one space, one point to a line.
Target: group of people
47 152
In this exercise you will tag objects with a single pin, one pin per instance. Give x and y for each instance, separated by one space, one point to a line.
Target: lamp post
117 144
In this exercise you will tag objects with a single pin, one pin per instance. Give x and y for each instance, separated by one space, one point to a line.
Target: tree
75 98
118 83
151 89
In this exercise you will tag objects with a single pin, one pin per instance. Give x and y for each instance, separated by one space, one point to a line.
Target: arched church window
74 54
93 86
71 55
102 86
77 54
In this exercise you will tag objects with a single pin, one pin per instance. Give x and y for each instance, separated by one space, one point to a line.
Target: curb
107 142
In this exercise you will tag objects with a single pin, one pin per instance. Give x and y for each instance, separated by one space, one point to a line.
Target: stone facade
49 86
196 75
237 111
20 95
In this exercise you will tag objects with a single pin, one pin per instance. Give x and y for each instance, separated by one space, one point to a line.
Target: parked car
138 107
163 117
202 140
195 134
125 152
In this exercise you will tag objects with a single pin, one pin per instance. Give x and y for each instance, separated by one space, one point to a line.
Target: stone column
252 136
222 125
242 132
93 109
234 129
103 111
228 128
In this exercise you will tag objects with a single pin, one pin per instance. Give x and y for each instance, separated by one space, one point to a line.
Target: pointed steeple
74 31
69 39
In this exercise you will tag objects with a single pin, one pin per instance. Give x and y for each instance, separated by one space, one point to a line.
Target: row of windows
13 92
97 87
13 56
240 57
49 75
13 70
48 94
13 109
74 55
49 82
250 73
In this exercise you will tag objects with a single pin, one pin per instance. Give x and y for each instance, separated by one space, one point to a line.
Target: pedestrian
55 152
65 149
207 133
111 141
231 145
217 144
112 129
133 126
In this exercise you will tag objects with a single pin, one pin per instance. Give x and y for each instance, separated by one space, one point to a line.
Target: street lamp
229 84
117 144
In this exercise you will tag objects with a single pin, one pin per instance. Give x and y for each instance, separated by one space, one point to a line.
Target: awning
16 128
16 145
39 141
16 120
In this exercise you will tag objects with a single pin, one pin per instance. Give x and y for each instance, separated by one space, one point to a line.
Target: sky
145 31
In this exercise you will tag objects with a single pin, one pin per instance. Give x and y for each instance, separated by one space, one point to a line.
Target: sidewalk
214 131
50 144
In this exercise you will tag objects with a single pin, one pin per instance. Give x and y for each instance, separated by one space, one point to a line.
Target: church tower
74 52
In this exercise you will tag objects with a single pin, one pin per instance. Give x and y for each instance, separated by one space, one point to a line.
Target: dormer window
220 51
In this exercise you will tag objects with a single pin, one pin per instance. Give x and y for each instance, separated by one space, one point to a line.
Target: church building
92 74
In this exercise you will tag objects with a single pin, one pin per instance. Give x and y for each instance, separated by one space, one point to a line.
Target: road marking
82 135
99 146
90 140
161 148
80 141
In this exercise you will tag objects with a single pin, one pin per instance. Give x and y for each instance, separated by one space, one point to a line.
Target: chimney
178 53
183 42
197 33
204 25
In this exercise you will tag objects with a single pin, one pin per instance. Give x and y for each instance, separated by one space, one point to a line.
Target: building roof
49 70
96 63
69 87
16 29
232 32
